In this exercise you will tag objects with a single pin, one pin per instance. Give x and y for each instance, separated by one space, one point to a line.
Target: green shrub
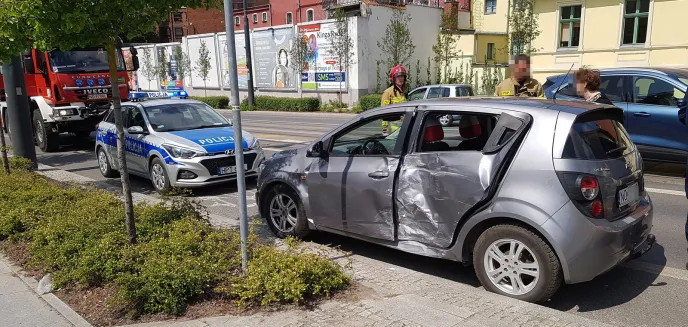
217 102
370 101
270 103
334 106
20 163
79 235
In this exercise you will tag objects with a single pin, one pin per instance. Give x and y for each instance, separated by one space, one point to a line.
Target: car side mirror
134 130
134 59
316 150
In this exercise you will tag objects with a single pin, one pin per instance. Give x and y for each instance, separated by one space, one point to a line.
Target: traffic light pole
249 65
238 139
18 115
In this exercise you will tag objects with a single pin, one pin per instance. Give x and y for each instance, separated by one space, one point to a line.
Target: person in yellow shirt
393 95
520 83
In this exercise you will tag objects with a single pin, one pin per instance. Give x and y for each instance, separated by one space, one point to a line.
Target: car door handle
378 174
642 114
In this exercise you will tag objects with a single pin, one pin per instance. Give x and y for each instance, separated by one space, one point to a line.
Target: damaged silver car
531 192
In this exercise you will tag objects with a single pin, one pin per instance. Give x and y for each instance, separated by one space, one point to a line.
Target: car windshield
83 61
184 116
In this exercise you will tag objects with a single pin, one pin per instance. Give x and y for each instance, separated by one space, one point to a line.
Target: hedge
270 103
217 102
79 235
370 101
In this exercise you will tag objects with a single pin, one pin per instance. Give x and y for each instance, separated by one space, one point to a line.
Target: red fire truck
69 92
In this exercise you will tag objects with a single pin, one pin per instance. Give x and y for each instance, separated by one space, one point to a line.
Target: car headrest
433 133
469 127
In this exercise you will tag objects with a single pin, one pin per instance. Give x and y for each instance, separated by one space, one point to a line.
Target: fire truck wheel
46 139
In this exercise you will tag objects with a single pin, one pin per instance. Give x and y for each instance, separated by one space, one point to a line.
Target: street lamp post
249 65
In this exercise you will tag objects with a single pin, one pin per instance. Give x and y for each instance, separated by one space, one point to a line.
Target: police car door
134 144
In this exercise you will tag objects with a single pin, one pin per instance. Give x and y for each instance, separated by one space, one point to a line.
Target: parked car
442 91
529 191
175 143
649 98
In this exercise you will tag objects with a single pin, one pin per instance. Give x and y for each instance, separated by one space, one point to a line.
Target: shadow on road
617 287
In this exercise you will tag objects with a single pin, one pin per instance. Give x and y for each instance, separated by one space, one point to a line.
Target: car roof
162 102
656 70
437 85
522 104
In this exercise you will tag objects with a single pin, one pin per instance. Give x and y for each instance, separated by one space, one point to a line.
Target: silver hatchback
531 192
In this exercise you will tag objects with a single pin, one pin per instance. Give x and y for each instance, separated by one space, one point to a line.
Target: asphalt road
651 291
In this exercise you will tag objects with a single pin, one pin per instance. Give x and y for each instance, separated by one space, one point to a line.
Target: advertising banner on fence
271 58
240 46
167 63
323 68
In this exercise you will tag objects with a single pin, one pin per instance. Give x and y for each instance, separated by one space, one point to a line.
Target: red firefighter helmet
397 71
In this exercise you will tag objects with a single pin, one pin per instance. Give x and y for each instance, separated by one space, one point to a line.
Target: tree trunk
121 154
205 89
5 162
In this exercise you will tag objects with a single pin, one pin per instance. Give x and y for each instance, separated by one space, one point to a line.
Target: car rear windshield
597 140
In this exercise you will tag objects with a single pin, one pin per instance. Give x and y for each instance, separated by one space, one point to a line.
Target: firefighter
520 84
396 93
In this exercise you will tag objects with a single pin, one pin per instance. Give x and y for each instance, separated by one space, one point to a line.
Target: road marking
657 269
663 191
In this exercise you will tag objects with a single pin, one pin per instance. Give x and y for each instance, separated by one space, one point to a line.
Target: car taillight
589 187
596 209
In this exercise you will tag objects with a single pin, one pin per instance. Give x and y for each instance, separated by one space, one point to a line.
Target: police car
174 142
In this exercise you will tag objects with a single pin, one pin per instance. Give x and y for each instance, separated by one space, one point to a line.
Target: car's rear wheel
104 164
158 176
516 262
446 120
284 212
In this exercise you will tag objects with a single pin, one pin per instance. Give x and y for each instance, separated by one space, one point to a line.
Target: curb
53 301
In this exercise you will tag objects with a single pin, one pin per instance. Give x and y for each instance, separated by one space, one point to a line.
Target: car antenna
554 96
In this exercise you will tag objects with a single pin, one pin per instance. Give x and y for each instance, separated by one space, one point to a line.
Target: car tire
446 120
104 164
286 217
158 176
535 257
46 139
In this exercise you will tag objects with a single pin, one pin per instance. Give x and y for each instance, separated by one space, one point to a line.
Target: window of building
255 18
490 51
570 26
289 18
310 15
490 6
237 22
265 17
636 15
177 17
178 32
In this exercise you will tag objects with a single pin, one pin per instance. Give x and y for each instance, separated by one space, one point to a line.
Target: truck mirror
135 63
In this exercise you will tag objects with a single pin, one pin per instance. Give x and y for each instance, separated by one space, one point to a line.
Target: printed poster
242 68
271 58
323 71
166 57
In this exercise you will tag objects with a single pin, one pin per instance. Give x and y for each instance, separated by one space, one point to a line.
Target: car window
438 92
597 140
377 136
462 91
569 90
184 116
136 118
465 133
126 116
110 117
613 87
649 90
417 94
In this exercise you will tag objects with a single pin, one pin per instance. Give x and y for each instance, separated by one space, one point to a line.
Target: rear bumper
589 247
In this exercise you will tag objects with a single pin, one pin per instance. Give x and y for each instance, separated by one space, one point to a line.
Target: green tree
300 54
203 65
147 66
417 73
523 28
162 66
68 24
428 80
342 44
397 44
183 63
445 48
378 77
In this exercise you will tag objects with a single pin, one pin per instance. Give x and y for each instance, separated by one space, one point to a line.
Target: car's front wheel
516 262
284 212
158 176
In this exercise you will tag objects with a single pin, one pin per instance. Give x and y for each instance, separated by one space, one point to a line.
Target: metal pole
238 140
18 115
249 64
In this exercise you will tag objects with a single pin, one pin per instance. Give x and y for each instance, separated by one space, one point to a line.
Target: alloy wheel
102 162
511 266
158 176
39 132
444 120
283 212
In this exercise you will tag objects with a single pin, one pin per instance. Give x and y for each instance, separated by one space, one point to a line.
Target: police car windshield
183 116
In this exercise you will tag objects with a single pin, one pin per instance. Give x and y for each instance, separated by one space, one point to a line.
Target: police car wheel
104 164
158 176
284 212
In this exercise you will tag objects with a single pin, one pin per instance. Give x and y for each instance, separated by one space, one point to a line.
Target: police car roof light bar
140 96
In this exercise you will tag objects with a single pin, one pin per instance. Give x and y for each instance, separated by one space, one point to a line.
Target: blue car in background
650 98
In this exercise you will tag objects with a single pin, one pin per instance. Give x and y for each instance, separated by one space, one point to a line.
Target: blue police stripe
133 146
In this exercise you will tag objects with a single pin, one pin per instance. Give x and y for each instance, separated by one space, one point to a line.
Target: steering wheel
375 148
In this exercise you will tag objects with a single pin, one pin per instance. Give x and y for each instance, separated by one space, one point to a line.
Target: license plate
628 195
228 170
97 96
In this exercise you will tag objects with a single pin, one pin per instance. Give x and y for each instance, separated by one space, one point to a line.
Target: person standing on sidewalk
520 83
588 86
396 93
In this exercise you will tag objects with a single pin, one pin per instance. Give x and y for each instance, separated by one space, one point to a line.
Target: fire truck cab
69 91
